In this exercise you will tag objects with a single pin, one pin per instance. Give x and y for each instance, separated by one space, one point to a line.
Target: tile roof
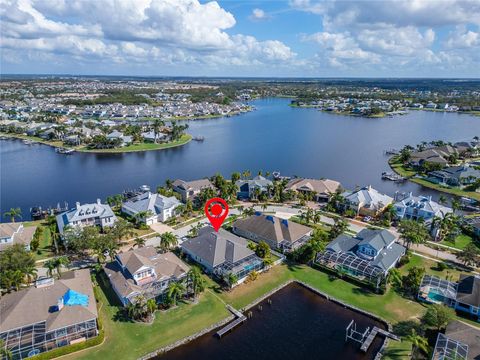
320 186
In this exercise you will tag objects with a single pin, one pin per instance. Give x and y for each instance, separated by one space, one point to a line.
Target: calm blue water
303 142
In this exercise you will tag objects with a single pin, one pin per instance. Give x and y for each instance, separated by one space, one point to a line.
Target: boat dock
392 176
366 338
240 319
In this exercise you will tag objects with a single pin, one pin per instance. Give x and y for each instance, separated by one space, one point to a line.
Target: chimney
78 205
99 202
149 194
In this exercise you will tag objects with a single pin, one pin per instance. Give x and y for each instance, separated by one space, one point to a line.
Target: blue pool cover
72 298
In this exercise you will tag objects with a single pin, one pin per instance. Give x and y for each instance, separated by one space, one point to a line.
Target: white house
96 214
126 140
419 207
159 207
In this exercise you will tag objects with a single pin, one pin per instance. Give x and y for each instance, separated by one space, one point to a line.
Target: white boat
144 188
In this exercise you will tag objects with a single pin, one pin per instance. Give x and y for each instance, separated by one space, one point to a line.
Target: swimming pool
432 295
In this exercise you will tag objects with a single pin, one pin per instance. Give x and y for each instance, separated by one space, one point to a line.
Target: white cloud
395 34
258 14
135 30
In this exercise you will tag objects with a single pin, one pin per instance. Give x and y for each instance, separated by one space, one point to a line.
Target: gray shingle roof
381 240
273 228
34 305
468 291
375 238
216 248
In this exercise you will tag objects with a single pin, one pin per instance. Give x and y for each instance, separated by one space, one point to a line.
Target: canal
275 137
298 324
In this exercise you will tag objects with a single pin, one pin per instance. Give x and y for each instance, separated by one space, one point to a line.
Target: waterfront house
251 188
455 175
144 272
463 296
96 214
189 190
376 248
51 314
468 295
149 136
124 140
412 207
447 348
465 334
222 253
16 233
436 155
321 189
367 201
280 234
156 207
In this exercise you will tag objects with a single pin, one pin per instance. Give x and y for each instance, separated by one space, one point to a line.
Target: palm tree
59 262
167 241
231 279
151 306
139 242
455 205
30 273
442 199
13 213
17 279
4 352
50 266
418 342
54 235
157 124
174 291
196 280
264 206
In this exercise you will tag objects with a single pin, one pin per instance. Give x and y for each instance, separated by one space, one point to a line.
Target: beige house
144 272
51 314
189 190
280 234
320 188
16 233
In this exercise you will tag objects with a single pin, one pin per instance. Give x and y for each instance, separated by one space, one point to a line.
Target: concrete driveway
161 228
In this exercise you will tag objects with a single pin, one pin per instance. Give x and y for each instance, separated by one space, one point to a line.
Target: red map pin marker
216 210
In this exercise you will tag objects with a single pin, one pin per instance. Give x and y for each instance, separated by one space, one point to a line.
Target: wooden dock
366 338
240 319
371 336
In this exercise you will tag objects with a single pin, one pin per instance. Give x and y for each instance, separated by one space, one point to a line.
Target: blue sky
303 38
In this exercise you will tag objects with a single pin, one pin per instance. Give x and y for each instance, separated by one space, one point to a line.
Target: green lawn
45 249
185 138
461 241
126 340
401 170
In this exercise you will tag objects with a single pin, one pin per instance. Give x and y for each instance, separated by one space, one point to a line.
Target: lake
275 137
299 324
